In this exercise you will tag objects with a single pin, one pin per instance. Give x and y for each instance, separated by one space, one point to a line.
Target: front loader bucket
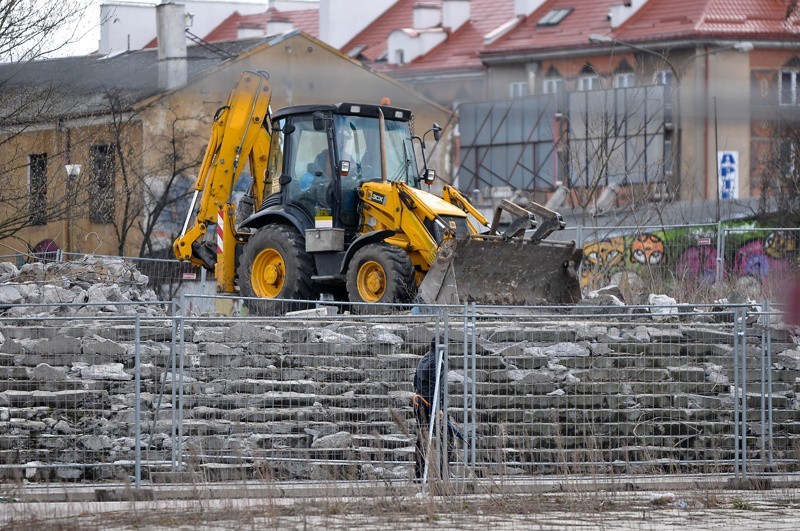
512 272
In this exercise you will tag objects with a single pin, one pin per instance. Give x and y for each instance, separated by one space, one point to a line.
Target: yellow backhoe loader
336 206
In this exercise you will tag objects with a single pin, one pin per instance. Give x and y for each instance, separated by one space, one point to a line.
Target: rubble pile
287 393
86 286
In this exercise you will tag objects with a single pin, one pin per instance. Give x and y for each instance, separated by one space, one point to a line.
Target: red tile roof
586 17
656 20
748 19
461 51
228 30
374 37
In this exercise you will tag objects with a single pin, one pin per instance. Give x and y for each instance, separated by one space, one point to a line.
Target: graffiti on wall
691 256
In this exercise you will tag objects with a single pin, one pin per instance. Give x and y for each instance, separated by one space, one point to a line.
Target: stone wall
329 397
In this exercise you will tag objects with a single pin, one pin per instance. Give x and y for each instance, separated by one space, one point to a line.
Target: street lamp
73 172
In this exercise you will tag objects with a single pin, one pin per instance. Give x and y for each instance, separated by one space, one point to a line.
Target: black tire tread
398 266
299 266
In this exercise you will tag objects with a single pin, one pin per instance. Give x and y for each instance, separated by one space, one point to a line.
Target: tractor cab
323 153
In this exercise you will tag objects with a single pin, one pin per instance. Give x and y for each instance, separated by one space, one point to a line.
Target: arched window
588 79
787 83
552 83
624 76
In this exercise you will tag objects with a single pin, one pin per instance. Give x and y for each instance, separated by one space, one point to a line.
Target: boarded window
37 188
508 143
101 199
617 136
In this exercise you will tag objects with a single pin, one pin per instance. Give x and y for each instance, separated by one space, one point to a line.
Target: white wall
122 22
294 5
341 20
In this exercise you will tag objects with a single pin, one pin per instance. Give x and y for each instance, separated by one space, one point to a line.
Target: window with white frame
552 85
518 89
624 80
588 82
787 91
664 77
101 198
37 188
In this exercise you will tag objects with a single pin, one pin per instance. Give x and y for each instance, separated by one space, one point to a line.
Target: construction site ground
548 503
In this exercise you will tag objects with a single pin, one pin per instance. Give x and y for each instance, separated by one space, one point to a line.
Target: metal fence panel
309 396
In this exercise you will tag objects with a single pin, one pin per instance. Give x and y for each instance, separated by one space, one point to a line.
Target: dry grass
593 509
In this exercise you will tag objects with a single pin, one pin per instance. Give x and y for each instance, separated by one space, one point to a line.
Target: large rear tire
275 265
380 274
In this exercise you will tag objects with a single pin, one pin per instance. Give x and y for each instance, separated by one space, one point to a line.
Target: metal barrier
311 396
78 392
686 261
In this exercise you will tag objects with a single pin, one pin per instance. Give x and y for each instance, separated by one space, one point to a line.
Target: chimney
622 12
170 29
455 13
427 16
523 8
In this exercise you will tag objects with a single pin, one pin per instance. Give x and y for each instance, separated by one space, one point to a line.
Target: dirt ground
690 510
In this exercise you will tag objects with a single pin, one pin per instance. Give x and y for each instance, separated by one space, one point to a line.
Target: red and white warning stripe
219 231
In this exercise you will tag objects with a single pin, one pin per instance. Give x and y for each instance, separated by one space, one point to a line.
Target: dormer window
554 17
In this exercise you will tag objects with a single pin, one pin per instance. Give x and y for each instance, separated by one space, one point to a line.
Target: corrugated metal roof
81 85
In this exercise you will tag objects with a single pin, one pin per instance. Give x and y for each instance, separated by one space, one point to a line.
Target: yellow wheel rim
269 273
371 281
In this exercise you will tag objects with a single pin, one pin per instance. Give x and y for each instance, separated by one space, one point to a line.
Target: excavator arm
239 134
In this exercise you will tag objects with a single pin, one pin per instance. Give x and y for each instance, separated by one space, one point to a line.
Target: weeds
740 504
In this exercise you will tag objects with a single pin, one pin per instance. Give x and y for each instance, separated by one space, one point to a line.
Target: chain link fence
690 262
190 396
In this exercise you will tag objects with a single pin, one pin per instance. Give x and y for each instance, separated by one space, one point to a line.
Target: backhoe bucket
512 272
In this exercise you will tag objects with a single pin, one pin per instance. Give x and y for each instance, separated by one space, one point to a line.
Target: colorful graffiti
600 259
699 262
648 249
693 255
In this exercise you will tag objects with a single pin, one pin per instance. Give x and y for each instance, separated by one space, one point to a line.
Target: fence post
181 356
432 417
768 327
736 443
474 388
173 361
465 417
579 237
742 334
720 251
138 405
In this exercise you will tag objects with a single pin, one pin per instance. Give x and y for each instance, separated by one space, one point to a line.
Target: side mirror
285 179
288 129
318 119
437 131
344 168
430 176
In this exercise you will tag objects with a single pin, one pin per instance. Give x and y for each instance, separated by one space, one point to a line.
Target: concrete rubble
648 384
338 391
86 286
